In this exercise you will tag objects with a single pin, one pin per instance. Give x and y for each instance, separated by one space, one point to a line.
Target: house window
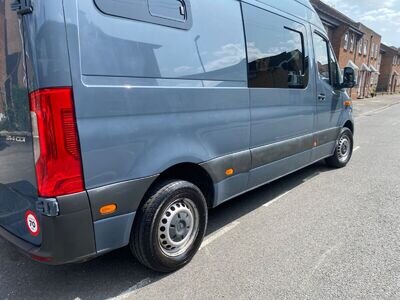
360 44
394 60
352 42
346 41
376 51
365 47
373 50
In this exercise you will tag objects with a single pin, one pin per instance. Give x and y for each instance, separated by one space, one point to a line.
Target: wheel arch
189 171
350 125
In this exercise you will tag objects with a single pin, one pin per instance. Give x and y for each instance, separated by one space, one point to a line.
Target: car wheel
343 150
170 226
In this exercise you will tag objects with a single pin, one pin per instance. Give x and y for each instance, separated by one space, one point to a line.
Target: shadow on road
112 274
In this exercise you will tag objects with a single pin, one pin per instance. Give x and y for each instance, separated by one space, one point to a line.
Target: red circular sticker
32 223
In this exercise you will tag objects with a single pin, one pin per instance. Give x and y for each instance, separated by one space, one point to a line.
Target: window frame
346 41
360 46
352 38
303 49
373 50
142 13
305 71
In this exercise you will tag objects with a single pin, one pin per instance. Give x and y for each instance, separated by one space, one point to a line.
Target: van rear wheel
170 226
343 150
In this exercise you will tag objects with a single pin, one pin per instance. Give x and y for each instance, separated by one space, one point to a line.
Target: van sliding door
281 94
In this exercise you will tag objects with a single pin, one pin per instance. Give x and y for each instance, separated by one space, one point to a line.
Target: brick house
355 45
3 71
367 58
389 80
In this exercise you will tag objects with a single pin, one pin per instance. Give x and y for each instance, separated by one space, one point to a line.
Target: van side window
335 71
322 57
326 61
276 52
169 9
172 13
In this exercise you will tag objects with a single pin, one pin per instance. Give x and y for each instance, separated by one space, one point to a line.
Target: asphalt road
316 234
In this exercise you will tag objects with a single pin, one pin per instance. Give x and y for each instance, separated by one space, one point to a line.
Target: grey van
123 122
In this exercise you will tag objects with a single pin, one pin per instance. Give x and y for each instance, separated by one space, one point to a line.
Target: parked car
125 121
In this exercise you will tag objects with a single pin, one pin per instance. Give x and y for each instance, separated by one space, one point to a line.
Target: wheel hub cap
344 148
178 227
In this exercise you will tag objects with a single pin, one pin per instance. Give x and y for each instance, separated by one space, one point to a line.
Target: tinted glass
335 77
172 13
169 9
275 47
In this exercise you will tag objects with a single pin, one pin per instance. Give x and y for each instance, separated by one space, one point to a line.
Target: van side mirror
348 78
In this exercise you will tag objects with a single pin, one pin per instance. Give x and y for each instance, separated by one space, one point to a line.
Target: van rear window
276 54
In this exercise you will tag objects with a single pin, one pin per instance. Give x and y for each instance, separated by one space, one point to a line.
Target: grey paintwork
46 46
196 105
150 94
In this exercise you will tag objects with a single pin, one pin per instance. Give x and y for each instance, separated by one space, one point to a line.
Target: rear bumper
67 238
79 232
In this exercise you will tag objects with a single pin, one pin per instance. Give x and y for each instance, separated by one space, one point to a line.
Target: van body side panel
46 46
150 96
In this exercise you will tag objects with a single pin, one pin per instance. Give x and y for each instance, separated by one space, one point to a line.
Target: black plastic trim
240 162
67 238
244 161
126 195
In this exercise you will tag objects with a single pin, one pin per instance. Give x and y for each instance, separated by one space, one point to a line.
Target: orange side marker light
348 103
229 172
108 209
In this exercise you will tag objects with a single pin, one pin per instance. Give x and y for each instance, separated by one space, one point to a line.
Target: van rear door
18 192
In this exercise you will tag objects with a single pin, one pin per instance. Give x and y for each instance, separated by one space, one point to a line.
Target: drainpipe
369 62
357 40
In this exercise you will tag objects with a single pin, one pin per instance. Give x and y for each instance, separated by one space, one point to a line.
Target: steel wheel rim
344 148
178 227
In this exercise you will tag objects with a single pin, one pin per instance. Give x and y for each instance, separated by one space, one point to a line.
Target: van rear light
56 144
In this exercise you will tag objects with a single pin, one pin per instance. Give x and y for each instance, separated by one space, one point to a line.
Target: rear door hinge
22 7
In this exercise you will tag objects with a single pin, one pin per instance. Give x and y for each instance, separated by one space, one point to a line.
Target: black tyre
170 226
343 150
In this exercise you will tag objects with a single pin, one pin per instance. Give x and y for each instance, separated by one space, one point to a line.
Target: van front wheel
343 149
170 226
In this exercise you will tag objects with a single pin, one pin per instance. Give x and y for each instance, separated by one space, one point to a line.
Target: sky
382 16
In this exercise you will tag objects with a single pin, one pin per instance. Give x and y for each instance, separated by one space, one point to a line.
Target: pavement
319 233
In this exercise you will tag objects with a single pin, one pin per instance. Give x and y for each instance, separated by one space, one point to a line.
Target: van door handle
321 97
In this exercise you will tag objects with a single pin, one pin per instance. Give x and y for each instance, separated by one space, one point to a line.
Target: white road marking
218 234
356 148
376 111
129 292
276 199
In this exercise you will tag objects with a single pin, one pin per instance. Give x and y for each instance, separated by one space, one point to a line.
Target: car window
322 58
276 54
